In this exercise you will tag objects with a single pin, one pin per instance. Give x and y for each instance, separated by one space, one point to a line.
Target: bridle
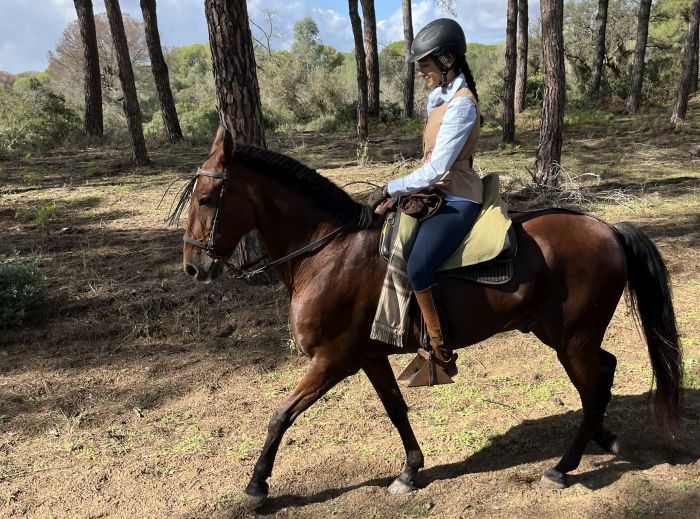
241 271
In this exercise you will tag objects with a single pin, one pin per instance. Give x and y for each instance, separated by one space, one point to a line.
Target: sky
29 29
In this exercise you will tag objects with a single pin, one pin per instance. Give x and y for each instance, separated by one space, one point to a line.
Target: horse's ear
223 141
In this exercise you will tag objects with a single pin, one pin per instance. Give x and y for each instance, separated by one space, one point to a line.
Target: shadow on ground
535 441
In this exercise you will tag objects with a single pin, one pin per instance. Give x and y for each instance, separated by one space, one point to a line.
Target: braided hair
463 67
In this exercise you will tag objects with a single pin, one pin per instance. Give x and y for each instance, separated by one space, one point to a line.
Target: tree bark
640 49
371 56
547 162
92 83
601 22
690 50
132 110
694 70
160 72
521 74
509 90
237 90
361 71
409 71
233 64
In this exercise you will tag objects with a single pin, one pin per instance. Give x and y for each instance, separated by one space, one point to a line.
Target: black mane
322 193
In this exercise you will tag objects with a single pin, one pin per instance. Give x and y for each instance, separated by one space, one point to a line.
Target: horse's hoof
553 480
398 487
609 442
253 502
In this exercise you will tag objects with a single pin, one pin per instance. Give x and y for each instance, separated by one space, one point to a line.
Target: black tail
650 299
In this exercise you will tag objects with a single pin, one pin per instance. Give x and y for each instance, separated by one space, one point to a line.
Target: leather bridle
209 245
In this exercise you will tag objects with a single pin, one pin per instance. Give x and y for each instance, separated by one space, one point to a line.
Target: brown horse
570 273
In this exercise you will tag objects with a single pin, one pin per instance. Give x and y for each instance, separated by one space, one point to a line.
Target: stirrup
424 371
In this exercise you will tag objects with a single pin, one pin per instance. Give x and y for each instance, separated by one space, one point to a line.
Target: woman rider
449 140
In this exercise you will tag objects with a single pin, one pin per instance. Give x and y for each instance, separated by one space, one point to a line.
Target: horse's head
220 213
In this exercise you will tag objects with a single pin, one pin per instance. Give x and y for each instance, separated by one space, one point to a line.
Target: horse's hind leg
381 376
321 376
591 370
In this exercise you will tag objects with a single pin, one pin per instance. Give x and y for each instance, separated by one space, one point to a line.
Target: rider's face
429 72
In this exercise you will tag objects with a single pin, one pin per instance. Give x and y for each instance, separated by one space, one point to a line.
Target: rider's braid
463 67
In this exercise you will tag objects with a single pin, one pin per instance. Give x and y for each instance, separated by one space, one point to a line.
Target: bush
198 121
33 118
20 290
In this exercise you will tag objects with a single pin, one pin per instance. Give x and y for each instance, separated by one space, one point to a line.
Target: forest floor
136 392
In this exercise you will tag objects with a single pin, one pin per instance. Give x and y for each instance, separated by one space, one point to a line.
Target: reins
242 271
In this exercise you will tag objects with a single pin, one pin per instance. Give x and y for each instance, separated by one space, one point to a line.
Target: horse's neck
288 223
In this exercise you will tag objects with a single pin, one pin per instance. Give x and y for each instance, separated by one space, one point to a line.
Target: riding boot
430 306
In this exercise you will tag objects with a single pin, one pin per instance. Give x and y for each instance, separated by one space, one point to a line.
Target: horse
569 274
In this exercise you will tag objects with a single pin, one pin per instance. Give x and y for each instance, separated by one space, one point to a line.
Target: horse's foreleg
381 376
321 376
592 373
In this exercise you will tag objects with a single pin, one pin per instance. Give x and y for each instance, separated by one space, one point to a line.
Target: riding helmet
438 37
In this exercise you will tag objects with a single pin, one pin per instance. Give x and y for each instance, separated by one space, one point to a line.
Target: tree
690 51
236 80
601 21
126 78
371 56
409 71
92 84
639 53
160 72
694 69
67 61
521 74
547 162
509 80
361 71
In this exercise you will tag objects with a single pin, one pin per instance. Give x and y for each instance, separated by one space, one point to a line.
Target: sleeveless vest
460 179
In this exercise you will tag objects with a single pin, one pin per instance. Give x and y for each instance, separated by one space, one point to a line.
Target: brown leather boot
429 303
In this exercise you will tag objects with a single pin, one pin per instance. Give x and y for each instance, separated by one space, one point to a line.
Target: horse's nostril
190 270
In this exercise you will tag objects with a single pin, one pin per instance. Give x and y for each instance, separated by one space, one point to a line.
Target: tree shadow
539 440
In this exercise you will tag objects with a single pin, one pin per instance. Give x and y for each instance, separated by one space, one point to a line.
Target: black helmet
438 37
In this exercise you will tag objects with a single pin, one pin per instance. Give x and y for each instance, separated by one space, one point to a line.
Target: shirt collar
436 97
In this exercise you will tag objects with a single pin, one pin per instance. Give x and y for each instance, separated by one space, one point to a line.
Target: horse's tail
650 300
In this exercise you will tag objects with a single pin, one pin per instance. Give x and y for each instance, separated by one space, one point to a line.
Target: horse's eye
205 201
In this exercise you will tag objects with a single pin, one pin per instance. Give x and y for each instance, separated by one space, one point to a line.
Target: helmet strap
444 64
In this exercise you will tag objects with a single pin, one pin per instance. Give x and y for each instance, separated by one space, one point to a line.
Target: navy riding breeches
438 238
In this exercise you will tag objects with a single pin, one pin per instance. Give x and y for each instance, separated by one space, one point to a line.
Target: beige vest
461 179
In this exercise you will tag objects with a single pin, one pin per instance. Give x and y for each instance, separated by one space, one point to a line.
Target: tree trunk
509 93
160 72
237 91
521 74
549 149
132 110
694 71
690 50
93 83
361 71
409 71
640 50
601 22
371 56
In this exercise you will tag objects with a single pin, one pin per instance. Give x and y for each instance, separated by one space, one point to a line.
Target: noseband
242 271
209 245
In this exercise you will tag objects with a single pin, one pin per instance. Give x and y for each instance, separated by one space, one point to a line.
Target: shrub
33 118
20 290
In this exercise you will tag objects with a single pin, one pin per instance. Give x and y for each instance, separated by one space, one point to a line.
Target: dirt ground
136 392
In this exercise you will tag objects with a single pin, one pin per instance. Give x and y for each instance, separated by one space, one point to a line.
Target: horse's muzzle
202 268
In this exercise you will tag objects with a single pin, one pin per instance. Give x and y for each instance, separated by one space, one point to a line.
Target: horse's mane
321 192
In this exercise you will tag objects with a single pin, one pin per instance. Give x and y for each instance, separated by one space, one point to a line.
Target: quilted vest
460 179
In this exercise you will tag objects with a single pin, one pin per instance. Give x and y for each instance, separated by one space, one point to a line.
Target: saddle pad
484 242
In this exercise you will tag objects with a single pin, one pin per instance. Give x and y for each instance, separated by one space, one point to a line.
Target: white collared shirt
455 128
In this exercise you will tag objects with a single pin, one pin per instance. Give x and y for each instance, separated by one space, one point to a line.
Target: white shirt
455 128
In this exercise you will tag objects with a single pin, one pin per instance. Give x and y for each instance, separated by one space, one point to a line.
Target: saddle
489 264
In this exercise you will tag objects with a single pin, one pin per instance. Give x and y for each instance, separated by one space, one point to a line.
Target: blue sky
29 29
